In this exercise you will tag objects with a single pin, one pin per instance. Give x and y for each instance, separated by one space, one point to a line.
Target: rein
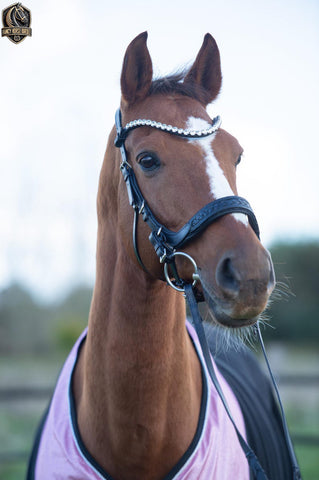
256 468
165 243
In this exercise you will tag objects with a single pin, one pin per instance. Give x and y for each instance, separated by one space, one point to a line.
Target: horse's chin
218 315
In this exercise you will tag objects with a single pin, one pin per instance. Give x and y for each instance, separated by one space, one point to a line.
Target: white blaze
219 185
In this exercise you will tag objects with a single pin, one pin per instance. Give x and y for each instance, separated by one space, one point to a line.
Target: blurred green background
36 337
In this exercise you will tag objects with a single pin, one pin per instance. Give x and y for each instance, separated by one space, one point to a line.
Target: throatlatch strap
257 470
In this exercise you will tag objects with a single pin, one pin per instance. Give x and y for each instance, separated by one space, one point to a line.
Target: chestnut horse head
178 175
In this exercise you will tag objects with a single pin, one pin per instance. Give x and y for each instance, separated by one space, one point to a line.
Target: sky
59 90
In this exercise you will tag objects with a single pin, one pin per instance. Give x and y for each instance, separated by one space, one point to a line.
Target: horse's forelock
173 84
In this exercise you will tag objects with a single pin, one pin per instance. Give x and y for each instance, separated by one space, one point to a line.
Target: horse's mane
174 84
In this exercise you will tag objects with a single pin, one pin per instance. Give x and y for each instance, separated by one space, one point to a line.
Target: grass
19 418
14 471
308 458
303 421
17 429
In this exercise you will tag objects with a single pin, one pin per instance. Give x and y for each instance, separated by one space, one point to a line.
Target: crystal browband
181 132
175 130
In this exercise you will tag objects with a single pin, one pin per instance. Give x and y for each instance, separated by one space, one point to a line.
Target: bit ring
195 274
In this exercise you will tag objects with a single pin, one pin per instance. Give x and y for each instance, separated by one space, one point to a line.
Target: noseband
164 240
165 243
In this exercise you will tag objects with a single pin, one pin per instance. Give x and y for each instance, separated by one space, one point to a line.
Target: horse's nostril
227 277
236 278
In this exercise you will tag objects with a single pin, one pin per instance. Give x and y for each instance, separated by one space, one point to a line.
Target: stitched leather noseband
164 240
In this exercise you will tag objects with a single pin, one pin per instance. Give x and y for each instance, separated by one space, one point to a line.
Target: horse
134 400
16 16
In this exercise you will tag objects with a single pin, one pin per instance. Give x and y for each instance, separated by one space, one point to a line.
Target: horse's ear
137 71
206 72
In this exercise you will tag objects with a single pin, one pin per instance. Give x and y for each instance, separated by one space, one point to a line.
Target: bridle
166 242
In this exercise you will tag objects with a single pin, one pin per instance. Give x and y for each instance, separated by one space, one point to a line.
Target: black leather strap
253 462
209 214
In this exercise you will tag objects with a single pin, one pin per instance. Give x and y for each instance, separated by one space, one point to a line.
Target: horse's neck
138 383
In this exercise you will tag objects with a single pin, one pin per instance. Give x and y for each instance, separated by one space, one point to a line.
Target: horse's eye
148 162
239 159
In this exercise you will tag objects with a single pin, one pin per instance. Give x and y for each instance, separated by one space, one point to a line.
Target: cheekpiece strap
121 134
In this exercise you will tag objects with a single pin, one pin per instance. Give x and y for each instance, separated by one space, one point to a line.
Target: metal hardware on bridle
166 241
195 275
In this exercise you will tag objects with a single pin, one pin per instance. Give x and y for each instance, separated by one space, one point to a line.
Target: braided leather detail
209 214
